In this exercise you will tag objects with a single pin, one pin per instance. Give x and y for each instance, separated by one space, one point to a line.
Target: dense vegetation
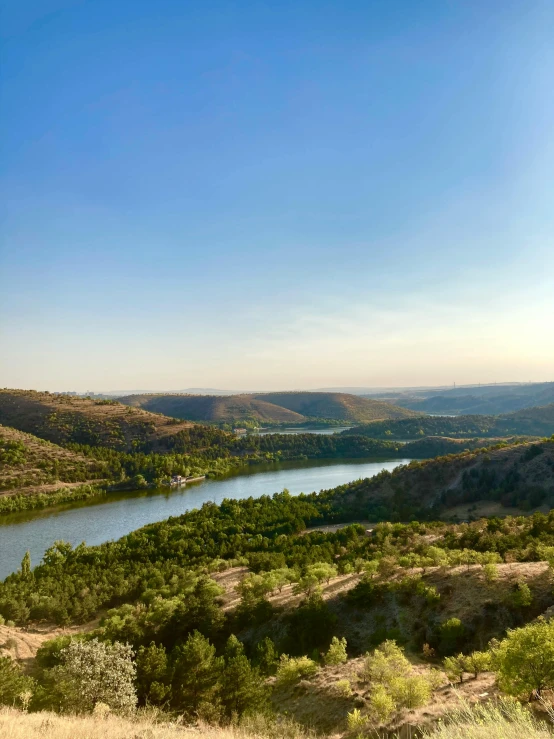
529 422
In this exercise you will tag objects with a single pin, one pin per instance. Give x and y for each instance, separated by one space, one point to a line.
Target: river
111 517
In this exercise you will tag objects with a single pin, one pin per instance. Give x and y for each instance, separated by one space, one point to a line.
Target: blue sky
259 195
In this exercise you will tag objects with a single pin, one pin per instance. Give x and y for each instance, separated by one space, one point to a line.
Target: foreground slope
63 419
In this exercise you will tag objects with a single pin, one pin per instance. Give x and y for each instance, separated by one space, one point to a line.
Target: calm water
115 515
295 430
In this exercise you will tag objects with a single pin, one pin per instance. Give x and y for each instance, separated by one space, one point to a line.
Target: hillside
62 419
537 421
269 408
214 408
31 465
336 406
483 400
519 476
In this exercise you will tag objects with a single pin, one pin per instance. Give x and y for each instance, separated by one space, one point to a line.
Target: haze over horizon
277 196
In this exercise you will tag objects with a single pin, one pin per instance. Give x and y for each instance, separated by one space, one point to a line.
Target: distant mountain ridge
482 400
288 407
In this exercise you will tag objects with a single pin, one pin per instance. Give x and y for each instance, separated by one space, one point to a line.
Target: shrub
382 704
355 721
336 654
343 688
95 672
292 669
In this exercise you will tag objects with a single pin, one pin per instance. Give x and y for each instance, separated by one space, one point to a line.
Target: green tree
266 656
242 688
336 654
524 660
26 565
196 677
153 678
13 683
94 672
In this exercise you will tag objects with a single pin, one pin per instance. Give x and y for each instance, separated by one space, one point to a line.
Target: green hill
520 476
270 408
530 421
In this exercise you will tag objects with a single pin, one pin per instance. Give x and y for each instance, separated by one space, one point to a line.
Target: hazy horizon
276 196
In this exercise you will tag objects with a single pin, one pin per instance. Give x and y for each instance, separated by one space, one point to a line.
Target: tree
94 672
477 662
336 654
196 677
521 595
291 669
26 565
13 683
524 660
153 675
266 656
242 688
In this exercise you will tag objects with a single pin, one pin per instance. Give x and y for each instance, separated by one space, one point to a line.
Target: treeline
532 422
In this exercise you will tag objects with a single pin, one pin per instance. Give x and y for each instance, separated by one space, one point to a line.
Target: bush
292 669
343 688
336 654
94 672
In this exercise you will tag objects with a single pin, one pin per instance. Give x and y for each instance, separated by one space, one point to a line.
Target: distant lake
295 430
111 517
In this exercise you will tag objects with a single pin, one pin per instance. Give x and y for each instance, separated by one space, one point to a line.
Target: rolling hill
271 408
537 421
482 400
521 476
214 408
64 419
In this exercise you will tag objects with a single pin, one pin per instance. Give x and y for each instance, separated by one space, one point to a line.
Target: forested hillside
30 464
269 408
271 606
537 421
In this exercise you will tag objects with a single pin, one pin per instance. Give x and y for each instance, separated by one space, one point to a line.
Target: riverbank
110 516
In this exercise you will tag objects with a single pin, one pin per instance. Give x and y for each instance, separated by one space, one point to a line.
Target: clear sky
262 195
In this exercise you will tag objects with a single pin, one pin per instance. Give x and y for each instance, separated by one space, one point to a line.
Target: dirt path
22 644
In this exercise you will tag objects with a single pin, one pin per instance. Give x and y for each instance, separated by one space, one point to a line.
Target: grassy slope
62 419
30 465
218 408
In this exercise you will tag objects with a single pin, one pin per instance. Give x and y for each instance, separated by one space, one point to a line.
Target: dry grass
17 725
504 720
